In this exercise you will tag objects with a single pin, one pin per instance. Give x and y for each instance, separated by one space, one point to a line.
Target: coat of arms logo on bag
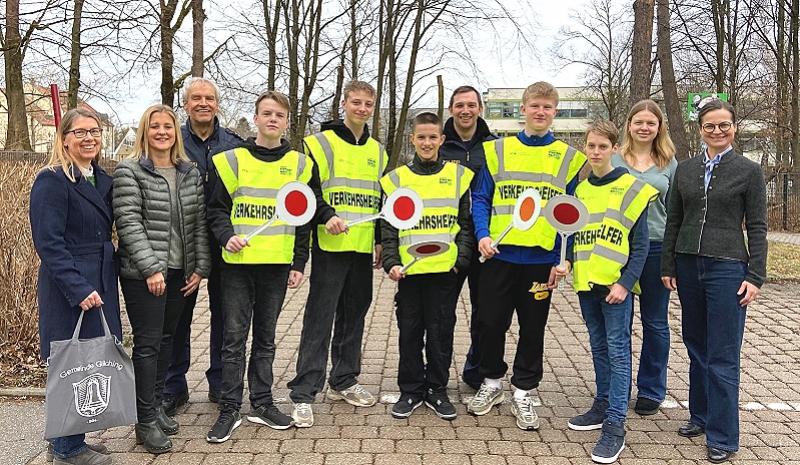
92 395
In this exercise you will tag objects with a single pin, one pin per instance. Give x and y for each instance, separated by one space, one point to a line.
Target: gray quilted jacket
142 213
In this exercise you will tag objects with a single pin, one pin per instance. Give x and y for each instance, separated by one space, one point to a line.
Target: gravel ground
22 422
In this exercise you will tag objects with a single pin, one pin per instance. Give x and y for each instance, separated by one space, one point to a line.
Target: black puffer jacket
142 213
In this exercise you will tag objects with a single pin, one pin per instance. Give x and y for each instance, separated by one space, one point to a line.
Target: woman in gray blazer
715 271
160 217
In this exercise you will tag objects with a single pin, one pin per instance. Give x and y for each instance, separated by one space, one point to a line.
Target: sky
507 69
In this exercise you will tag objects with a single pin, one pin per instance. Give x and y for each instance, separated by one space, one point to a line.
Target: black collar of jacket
345 133
612 176
266 154
211 136
420 166
482 133
183 166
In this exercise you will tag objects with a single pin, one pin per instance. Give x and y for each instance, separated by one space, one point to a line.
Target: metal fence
783 202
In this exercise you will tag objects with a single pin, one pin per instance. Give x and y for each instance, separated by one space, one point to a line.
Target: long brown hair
663 149
142 145
59 156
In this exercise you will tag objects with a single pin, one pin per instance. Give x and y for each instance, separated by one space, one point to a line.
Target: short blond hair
278 97
358 86
603 128
540 89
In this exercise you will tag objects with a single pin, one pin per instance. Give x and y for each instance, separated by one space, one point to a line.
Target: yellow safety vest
515 167
441 194
601 248
253 185
349 176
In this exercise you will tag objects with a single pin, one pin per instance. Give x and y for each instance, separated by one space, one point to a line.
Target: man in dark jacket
202 138
465 132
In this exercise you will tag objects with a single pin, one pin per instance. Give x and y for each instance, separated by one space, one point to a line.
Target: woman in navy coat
71 220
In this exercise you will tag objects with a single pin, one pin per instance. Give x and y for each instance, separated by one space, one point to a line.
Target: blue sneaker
611 443
591 420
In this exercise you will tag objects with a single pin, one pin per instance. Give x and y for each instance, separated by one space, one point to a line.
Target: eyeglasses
724 127
81 133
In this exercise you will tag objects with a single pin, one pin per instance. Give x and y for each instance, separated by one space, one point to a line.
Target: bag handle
106 331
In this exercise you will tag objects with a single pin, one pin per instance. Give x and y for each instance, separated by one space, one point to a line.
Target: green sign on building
695 98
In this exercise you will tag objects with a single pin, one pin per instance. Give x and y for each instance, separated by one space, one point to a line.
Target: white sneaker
354 395
526 416
486 398
303 415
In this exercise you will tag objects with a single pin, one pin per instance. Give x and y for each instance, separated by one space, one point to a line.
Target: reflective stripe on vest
601 249
253 185
515 167
349 177
441 195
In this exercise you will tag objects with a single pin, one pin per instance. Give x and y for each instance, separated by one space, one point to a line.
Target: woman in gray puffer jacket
163 247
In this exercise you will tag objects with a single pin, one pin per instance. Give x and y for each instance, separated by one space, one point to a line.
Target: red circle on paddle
296 203
527 209
403 208
566 213
428 249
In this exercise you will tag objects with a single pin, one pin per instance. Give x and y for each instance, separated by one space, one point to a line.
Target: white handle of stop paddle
405 268
364 219
495 242
563 263
261 228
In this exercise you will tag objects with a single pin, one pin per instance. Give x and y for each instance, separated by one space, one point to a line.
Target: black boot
167 424
153 439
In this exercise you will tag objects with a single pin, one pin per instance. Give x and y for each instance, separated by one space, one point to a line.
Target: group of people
188 206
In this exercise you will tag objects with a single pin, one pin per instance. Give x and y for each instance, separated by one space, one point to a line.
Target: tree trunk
17 136
353 40
167 58
75 57
677 130
794 31
782 103
641 52
198 17
719 33
440 88
292 20
337 94
272 15
385 52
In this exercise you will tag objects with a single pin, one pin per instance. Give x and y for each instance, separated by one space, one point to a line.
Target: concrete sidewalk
342 434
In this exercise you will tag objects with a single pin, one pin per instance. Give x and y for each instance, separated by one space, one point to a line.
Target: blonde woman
160 215
71 222
648 154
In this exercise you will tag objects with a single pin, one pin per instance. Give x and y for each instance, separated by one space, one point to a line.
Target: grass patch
783 262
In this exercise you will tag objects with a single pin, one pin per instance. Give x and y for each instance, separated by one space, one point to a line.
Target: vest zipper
180 180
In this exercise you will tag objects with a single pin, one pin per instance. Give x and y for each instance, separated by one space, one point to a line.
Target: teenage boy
608 256
521 272
350 164
255 273
465 132
426 312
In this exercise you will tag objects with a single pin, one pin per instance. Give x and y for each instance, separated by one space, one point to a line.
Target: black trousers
471 371
339 297
426 318
253 295
506 287
175 383
153 321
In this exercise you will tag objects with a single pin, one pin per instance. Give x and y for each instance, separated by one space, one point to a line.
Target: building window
507 110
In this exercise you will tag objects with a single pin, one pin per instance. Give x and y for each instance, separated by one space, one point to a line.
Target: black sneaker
227 422
405 406
593 419
646 406
172 403
440 403
611 443
269 415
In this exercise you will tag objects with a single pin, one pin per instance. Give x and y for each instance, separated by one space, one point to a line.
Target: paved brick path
342 434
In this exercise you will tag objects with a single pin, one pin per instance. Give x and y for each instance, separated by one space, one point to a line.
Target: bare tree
672 102
13 43
641 50
170 18
198 17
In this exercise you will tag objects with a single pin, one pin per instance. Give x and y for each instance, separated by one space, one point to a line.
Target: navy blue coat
71 228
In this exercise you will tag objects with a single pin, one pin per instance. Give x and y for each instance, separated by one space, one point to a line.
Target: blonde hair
662 149
275 96
60 156
358 86
142 144
603 128
540 89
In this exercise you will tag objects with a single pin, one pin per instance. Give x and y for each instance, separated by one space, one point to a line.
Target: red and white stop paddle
425 249
526 212
296 206
567 215
402 209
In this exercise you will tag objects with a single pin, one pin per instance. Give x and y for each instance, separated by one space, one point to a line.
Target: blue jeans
68 446
610 338
713 326
651 379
